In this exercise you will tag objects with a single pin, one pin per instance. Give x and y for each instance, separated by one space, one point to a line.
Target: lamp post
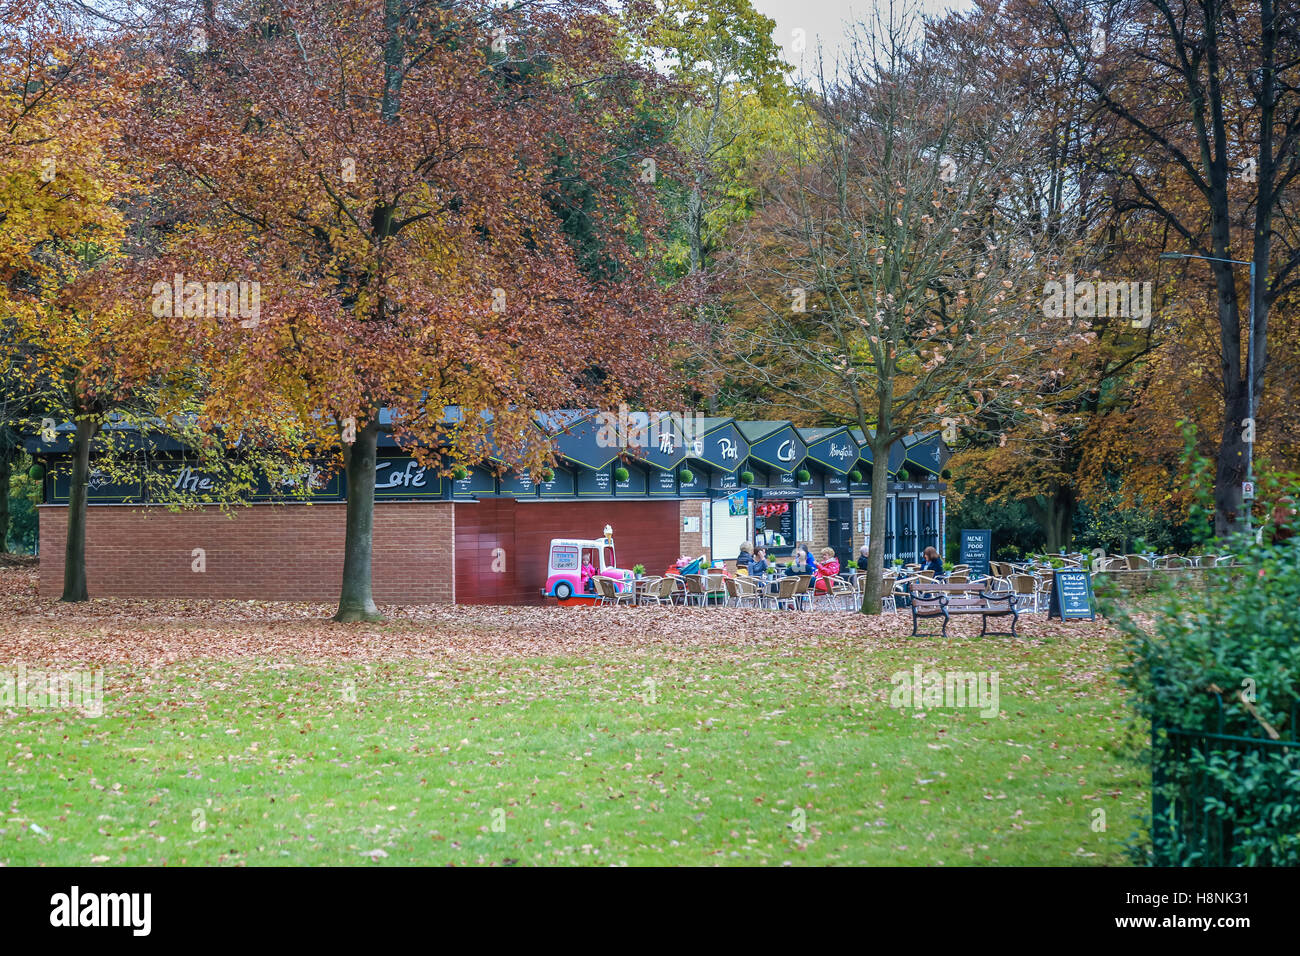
1250 360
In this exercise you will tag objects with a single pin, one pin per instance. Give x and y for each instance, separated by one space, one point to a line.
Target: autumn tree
59 179
402 180
1201 100
890 288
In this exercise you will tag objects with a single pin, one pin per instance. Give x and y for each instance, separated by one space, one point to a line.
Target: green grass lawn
751 751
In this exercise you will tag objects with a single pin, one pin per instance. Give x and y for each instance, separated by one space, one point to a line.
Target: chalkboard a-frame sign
975 550
1071 596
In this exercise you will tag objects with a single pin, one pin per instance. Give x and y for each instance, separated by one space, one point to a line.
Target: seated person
758 565
745 558
827 566
863 554
802 563
932 562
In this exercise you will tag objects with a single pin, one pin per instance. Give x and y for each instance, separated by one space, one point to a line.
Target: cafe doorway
839 528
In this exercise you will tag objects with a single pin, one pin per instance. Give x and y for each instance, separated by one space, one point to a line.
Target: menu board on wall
663 483
724 481
519 486
477 482
561 486
593 483
696 486
635 484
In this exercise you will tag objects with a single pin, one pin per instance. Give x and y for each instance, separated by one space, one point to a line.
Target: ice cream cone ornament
609 534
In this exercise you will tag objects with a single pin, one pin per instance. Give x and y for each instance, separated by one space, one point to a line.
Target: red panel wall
262 552
645 532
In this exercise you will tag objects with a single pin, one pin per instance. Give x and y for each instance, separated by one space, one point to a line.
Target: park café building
700 486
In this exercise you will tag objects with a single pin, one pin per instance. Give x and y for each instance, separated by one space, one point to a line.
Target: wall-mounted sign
723 446
518 486
927 451
698 485
595 483
724 481
781 448
561 486
479 481
663 484
635 484
664 443
99 487
405 478
833 448
589 442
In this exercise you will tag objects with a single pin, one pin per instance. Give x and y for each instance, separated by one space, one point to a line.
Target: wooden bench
931 600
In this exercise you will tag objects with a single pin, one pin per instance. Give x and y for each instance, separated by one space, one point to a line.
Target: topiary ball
686 475
945 474
621 474
855 477
36 473
548 474
804 475
746 477
460 473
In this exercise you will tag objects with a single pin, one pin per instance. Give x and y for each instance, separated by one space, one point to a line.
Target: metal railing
1195 821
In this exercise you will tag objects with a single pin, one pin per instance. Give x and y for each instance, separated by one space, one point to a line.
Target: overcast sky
826 21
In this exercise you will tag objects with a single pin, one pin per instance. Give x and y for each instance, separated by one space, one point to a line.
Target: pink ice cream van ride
573 561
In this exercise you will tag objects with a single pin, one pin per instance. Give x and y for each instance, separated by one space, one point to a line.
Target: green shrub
1240 634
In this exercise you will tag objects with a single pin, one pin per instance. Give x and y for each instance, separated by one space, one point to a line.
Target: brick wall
692 542
502 546
262 552
860 506
813 536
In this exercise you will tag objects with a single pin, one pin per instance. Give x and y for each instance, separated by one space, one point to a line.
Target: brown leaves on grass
156 633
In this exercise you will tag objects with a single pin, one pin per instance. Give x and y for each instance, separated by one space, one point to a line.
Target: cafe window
774 525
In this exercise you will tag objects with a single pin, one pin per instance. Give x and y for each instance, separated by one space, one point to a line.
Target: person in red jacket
827 566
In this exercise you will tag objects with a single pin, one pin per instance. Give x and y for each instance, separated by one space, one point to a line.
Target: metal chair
786 590
696 590
1024 586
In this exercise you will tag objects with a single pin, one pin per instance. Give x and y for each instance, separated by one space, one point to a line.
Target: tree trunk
6 473
356 602
1230 470
872 594
1054 513
74 552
